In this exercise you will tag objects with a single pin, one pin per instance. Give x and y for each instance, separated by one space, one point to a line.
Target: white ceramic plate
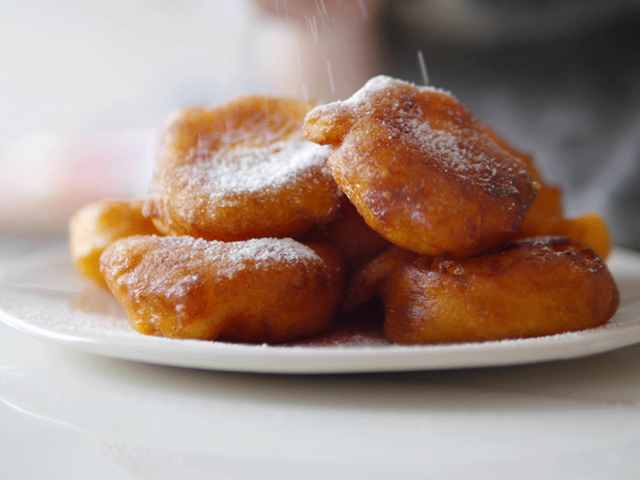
43 296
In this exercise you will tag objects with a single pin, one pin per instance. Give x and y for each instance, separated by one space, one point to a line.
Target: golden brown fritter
546 216
259 290
97 225
421 170
364 283
532 288
351 236
588 229
241 170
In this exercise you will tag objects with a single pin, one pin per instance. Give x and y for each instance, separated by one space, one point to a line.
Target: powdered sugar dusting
459 153
247 169
263 251
457 148
192 253
380 83
176 268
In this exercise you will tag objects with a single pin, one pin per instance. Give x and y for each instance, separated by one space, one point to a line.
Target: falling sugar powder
313 28
363 9
423 67
324 7
330 72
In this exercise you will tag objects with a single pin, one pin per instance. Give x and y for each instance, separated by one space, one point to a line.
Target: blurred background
85 86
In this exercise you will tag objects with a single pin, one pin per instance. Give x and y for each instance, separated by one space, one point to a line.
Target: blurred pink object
45 177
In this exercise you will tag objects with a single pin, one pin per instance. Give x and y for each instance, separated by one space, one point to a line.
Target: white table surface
69 415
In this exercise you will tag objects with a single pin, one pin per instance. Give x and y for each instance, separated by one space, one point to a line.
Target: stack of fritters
271 215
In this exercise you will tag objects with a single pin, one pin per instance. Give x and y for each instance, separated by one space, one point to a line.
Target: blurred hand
322 49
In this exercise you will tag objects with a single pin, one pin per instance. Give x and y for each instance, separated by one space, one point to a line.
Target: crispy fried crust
351 236
262 290
532 288
97 225
364 283
546 216
421 170
241 170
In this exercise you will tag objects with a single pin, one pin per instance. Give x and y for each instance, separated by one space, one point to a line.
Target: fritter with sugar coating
241 170
421 170
363 284
351 236
532 288
259 290
97 225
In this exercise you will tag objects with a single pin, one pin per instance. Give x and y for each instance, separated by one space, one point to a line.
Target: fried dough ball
531 288
351 236
588 229
364 283
97 225
546 218
259 290
241 170
546 215
421 170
